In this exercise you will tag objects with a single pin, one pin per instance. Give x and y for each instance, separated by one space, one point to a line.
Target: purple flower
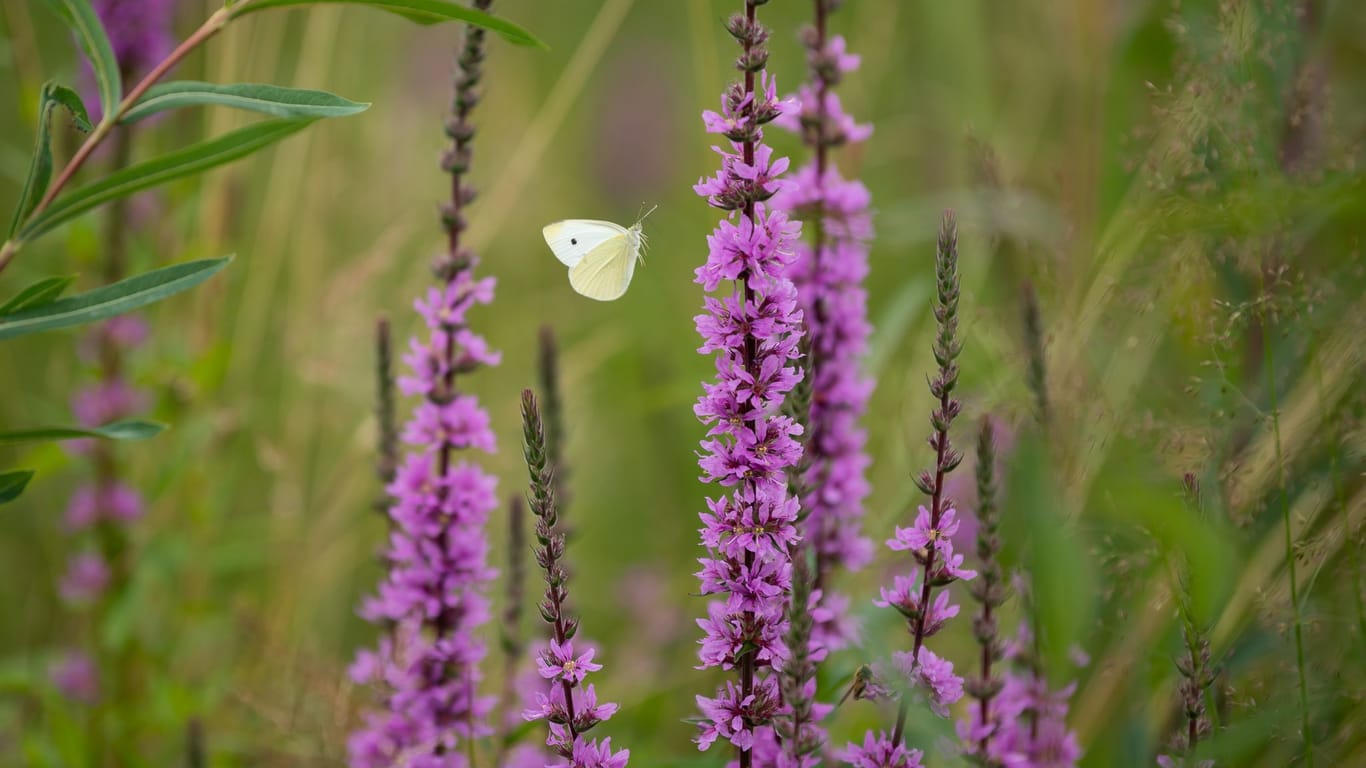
76 677
905 597
107 401
922 535
1027 722
730 714
138 30
879 751
591 754
829 269
559 663
433 600
86 577
89 504
752 334
933 675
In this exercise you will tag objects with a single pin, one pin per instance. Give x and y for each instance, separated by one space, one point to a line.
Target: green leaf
13 483
178 164
44 291
257 97
80 16
40 167
110 300
420 11
130 429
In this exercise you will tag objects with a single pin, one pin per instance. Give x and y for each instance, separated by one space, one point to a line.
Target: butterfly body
601 255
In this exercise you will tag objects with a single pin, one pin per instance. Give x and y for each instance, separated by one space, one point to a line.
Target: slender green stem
1289 541
206 30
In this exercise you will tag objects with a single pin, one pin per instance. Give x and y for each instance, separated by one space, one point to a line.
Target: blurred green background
1179 181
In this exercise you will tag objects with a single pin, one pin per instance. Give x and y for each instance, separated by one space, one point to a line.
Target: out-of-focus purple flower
90 504
107 401
932 675
76 677
138 30
1028 719
879 751
86 577
750 446
829 269
123 331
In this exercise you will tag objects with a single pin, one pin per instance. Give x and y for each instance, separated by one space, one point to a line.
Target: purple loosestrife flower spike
930 538
750 445
569 715
989 591
1029 719
829 268
434 597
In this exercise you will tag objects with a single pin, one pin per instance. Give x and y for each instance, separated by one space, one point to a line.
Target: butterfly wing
605 272
573 239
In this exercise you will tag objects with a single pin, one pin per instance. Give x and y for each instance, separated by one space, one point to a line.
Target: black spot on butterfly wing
573 241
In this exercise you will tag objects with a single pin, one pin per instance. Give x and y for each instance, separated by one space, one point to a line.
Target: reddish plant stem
936 501
206 30
751 349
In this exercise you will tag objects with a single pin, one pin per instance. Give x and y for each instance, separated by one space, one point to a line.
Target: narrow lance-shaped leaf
420 11
40 166
110 300
273 100
81 17
130 429
44 291
13 483
179 164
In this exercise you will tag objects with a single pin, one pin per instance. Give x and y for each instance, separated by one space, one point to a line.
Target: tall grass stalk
1298 626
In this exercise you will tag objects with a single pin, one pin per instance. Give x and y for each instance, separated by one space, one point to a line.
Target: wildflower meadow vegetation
988 393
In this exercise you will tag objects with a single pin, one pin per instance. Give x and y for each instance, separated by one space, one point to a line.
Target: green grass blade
110 300
273 100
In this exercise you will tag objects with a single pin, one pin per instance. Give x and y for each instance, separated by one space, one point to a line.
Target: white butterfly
601 256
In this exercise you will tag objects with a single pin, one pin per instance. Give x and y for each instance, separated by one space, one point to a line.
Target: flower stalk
434 598
569 715
829 268
989 591
751 444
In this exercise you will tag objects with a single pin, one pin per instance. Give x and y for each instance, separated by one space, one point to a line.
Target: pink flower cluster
829 269
564 669
753 333
1027 720
434 595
